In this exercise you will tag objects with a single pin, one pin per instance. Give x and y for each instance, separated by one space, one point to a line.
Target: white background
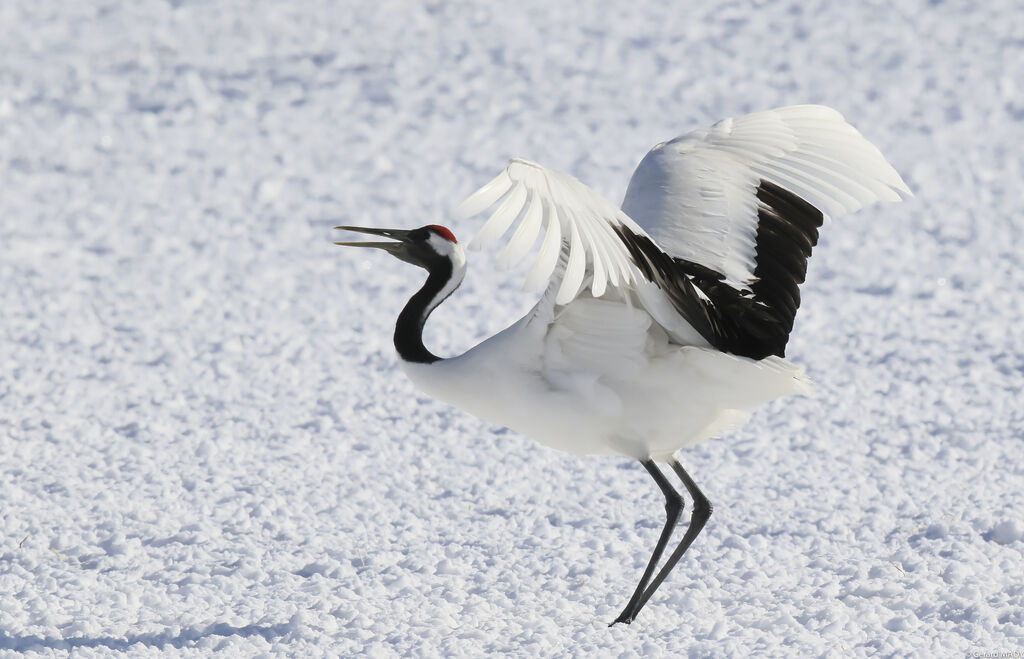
205 442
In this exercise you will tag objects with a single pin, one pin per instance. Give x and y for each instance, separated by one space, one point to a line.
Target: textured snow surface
206 443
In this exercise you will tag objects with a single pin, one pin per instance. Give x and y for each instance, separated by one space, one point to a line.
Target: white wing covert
572 217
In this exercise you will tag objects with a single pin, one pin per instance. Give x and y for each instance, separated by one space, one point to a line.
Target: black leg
701 512
673 507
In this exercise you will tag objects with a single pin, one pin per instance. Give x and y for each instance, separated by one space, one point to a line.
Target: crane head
423 247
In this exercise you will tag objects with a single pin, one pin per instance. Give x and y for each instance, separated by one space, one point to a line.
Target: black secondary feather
753 323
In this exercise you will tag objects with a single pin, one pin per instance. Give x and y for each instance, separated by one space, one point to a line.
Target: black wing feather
754 323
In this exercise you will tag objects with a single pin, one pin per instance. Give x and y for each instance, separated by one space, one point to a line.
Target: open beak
400 235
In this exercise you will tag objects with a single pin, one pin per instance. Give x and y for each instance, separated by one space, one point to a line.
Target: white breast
602 378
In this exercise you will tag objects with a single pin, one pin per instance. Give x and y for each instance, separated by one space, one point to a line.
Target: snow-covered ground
205 442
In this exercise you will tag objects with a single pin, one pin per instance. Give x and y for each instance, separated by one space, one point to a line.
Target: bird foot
624 618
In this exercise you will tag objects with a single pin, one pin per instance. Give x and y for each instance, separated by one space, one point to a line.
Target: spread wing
573 219
715 230
706 195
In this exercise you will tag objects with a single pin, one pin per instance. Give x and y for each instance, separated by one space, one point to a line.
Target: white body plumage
605 363
603 378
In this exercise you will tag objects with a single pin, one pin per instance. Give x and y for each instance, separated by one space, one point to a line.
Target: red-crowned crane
662 323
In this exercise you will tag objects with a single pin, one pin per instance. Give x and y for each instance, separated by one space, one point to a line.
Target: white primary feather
575 218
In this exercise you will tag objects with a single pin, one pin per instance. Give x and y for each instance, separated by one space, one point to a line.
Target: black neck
409 329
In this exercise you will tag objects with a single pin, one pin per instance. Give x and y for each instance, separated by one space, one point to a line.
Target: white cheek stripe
457 256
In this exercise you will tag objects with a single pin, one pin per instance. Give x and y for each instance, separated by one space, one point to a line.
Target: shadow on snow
183 639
